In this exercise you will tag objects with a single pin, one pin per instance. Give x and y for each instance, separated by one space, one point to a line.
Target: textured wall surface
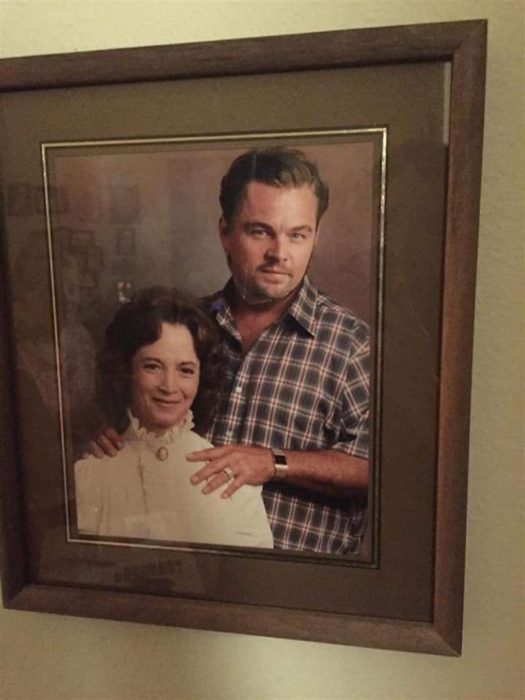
46 657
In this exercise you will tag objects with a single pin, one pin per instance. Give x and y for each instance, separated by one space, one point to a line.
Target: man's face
270 241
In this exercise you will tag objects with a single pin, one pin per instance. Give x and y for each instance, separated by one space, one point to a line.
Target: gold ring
228 472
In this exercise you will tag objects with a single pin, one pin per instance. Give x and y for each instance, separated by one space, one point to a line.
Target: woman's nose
170 382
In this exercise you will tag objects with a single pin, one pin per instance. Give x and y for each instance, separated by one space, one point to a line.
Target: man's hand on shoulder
106 444
234 465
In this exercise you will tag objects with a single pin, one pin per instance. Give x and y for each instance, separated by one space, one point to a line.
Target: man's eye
297 236
258 232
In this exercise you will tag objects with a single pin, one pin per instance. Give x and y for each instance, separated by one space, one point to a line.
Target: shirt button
238 389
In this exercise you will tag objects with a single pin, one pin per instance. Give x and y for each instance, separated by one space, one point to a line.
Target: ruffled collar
136 432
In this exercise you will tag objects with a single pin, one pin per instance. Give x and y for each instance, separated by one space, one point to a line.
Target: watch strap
280 464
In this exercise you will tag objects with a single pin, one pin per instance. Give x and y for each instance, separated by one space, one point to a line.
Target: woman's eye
150 366
188 371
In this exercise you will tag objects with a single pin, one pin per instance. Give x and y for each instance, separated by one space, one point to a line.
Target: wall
51 657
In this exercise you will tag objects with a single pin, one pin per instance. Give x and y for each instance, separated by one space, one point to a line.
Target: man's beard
254 294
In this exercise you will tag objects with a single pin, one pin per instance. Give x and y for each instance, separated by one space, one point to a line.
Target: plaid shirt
302 386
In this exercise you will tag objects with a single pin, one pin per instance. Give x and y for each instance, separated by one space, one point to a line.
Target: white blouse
145 492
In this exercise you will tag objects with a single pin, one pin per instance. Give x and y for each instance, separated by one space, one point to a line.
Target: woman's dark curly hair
137 323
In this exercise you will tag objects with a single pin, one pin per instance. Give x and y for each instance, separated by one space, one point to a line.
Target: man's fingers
225 477
93 450
233 486
106 446
216 481
107 443
113 437
212 468
209 453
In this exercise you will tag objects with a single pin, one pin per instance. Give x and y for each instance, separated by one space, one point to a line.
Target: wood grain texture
466 135
319 50
13 552
245 619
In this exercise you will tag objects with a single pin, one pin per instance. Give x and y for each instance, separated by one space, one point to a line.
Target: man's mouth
274 271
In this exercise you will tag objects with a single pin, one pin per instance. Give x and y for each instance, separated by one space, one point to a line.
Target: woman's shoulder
196 441
96 467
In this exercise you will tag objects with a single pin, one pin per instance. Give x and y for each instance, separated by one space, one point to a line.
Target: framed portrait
155 184
111 196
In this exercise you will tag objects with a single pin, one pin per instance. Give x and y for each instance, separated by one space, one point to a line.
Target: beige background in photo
168 204
44 657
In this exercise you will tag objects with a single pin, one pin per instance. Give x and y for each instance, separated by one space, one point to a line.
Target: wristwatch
280 464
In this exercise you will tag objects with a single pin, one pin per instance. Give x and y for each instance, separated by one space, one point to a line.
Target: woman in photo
161 359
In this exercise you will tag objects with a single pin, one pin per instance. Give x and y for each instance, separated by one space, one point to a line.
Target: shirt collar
221 309
302 309
136 432
304 306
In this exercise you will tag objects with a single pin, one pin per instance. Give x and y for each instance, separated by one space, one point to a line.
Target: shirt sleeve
355 399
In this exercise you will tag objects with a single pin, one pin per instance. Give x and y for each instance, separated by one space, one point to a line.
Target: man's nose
277 249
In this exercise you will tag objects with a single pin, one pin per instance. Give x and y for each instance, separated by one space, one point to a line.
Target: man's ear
318 231
223 232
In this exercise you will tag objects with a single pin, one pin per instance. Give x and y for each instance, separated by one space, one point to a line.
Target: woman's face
165 379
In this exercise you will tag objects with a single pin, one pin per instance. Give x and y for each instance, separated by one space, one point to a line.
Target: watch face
281 460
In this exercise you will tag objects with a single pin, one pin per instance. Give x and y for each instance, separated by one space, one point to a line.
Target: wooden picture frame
409 596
